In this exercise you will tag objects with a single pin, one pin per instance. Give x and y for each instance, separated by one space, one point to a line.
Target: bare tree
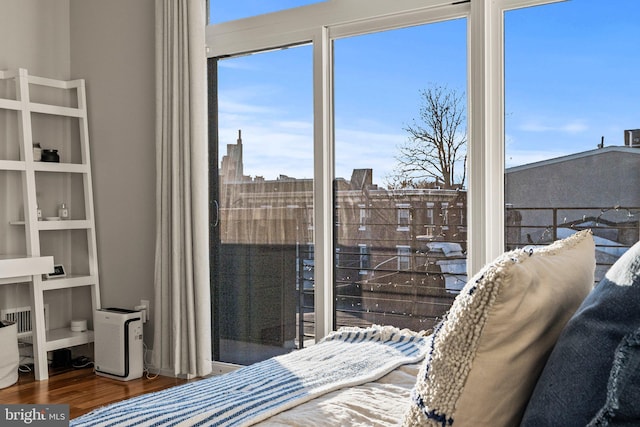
437 145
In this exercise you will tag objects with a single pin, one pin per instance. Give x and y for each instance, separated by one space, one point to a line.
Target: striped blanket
345 358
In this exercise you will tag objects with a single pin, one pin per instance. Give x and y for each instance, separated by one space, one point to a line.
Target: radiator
21 316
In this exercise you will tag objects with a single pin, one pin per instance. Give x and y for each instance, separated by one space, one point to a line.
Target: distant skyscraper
231 168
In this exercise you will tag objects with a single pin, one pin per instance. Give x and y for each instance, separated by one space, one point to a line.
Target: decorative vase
50 155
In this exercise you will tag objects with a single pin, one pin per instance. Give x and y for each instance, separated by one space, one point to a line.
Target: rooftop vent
632 138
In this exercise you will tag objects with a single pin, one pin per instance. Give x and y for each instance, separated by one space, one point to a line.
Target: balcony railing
410 279
370 288
615 229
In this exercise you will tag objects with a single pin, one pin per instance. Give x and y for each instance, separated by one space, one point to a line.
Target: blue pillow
592 375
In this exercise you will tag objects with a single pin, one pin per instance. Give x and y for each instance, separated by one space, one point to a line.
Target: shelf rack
78 276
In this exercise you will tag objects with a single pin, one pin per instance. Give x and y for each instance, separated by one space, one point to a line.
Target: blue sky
571 77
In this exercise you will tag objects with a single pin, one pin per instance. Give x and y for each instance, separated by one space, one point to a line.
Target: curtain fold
182 320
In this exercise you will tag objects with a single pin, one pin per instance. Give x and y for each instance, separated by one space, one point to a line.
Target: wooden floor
81 389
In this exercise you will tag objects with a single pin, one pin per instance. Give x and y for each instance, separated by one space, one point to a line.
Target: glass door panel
572 152
263 282
400 209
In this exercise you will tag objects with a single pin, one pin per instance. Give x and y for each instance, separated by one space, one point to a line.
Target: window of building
404 258
444 213
310 217
363 217
461 211
404 217
364 259
429 213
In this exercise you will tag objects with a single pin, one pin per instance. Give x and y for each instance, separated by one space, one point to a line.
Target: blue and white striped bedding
254 393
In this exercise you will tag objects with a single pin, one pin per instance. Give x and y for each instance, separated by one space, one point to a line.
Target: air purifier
118 343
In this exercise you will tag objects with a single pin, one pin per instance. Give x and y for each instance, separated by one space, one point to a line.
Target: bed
363 375
528 341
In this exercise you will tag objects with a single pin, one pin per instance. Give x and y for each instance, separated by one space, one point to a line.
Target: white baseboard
217 368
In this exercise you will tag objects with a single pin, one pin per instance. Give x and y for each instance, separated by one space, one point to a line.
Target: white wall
34 34
112 47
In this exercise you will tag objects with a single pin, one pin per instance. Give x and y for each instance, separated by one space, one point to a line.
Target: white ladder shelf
79 260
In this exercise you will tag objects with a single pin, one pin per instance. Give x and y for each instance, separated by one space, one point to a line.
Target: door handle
217 210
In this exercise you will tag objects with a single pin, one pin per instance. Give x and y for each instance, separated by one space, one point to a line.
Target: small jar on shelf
37 152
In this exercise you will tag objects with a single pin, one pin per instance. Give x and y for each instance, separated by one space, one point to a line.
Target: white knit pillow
488 352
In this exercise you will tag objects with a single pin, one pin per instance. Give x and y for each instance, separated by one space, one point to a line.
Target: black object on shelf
50 155
61 358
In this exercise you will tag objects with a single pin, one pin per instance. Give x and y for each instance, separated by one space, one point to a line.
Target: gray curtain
182 320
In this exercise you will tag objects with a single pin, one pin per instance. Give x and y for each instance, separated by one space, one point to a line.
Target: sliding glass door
400 174
263 229
416 140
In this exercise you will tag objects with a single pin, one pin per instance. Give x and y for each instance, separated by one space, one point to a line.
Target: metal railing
615 229
381 292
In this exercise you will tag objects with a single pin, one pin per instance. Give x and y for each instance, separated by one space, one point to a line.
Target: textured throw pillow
488 352
593 374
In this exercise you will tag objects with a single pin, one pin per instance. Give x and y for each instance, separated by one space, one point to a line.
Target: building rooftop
595 152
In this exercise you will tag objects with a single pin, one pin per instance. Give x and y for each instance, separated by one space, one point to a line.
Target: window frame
429 213
362 215
403 215
364 259
320 24
403 252
444 213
